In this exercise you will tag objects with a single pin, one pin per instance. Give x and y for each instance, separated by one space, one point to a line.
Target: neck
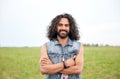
63 42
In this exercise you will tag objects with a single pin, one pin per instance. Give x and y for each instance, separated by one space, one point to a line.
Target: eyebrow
62 24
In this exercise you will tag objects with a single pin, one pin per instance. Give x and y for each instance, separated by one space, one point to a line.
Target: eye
67 25
60 24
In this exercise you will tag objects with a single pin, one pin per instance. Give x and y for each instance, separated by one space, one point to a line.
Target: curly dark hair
74 32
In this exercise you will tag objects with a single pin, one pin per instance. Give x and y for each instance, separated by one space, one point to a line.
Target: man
62 57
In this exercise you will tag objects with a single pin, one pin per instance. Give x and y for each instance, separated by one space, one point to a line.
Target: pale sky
24 22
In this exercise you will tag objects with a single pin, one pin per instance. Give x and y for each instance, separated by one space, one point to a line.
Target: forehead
64 20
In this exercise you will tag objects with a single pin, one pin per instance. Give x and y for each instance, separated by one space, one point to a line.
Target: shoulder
43 47
76 44
49 42
47 45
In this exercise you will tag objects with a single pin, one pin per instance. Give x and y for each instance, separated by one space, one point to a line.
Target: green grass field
23 63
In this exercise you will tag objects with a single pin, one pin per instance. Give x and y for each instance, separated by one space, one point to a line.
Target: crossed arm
74 66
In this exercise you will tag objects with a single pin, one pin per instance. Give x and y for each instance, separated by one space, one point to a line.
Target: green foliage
23 63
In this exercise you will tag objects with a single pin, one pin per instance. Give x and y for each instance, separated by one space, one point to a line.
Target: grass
101 63
20 63
23 63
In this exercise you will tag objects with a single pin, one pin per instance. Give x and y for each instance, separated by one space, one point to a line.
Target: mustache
63 30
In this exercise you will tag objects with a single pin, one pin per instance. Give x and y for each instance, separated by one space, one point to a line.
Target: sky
25 22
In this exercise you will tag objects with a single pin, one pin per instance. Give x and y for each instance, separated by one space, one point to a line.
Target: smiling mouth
63 31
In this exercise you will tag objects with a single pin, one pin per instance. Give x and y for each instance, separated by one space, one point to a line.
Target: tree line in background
84 44
96 45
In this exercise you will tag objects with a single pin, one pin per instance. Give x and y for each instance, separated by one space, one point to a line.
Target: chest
56 53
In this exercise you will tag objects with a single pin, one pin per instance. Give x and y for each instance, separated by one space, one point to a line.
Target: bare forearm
72 70
52 68
77 68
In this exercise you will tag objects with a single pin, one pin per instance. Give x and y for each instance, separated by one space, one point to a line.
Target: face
63 28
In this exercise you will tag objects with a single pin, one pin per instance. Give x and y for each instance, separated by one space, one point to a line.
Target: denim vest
56 51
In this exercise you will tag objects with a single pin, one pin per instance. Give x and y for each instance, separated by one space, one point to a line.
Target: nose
63 27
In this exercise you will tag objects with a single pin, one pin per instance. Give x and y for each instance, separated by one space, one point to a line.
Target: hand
70 62
45 61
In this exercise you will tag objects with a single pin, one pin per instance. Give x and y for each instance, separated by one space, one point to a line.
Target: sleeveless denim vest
56 52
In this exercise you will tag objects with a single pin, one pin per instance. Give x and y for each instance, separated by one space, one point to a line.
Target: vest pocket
72 53
54 57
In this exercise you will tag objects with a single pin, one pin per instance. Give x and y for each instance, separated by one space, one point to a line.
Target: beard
62 35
